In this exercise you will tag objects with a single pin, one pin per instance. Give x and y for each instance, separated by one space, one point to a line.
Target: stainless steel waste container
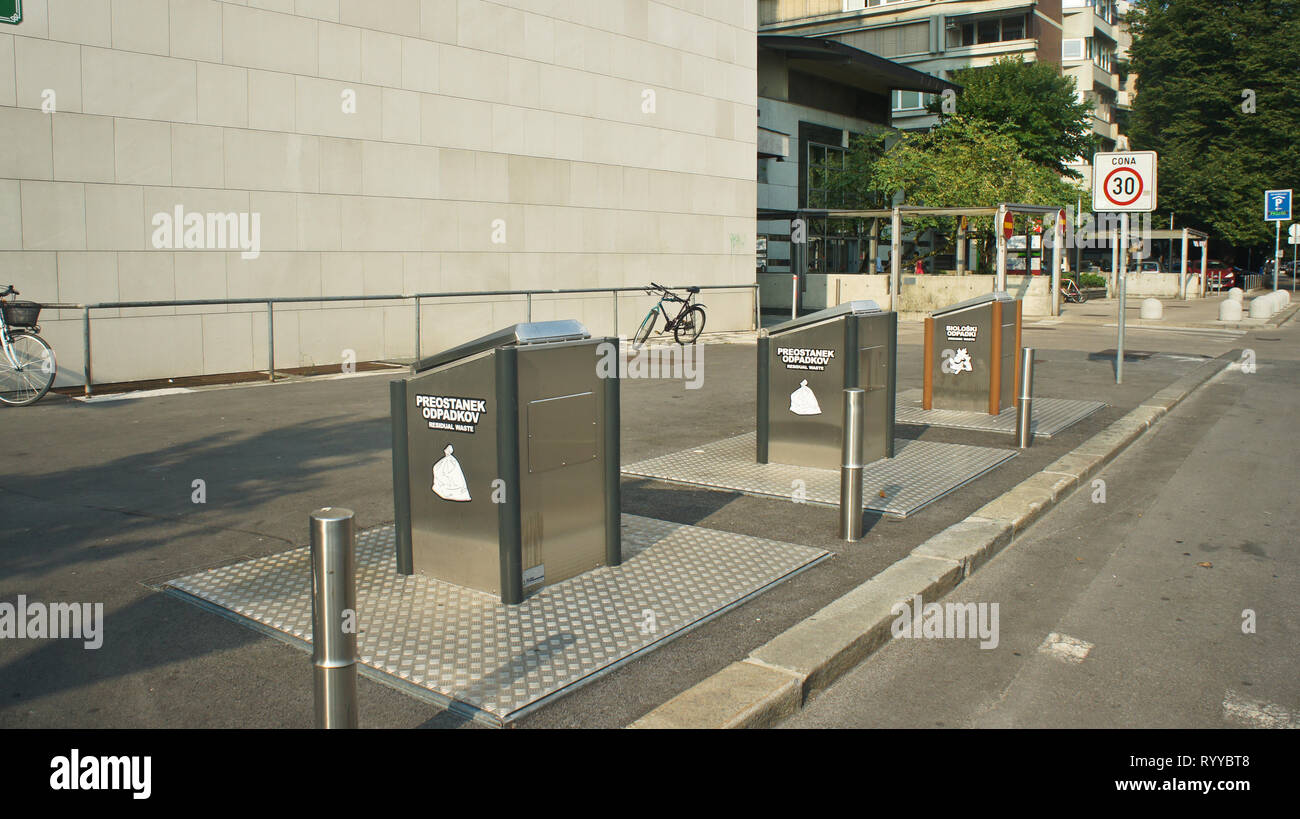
506 460
972 354
803 367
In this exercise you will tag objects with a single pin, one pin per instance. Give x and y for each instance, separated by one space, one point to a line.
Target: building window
910 101
1072 49
1100 53
962 32
824 161
990 31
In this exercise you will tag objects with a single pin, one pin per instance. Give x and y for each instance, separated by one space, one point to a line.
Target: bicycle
686 326
1070 292
27 364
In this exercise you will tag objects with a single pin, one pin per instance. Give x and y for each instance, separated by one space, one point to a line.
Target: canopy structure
896 215
1183 235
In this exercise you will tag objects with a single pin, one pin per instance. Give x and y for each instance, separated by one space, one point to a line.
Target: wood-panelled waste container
972 353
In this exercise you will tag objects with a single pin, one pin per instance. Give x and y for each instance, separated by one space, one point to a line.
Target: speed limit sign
1124 182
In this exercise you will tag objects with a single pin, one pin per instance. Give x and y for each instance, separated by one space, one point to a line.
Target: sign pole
1277 256
1123 270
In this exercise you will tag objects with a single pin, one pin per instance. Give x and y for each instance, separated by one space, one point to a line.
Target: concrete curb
779 676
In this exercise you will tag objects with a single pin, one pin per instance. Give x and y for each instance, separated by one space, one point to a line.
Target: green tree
1217 95
1033 103
961 163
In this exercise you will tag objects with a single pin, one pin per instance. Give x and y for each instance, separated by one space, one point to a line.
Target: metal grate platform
1050 415
920 473
465 650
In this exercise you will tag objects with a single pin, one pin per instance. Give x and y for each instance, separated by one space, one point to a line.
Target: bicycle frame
686 304
6 343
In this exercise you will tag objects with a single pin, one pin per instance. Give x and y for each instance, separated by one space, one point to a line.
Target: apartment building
1092 30
940 36
935 37
378 147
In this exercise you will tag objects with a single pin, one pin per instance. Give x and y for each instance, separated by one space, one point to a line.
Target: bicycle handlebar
668 294
9 289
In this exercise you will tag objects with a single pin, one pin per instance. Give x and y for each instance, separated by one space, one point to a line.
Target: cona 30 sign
1124 182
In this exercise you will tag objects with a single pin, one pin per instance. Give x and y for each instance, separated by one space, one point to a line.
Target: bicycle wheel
34 375
643 332
690 326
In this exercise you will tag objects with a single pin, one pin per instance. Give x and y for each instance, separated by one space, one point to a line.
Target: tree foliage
1033 103
1202 66
961 163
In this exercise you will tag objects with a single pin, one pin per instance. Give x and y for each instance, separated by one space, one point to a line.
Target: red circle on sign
1105 187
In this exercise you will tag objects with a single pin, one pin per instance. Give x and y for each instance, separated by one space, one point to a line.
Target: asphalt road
97 500
1149 591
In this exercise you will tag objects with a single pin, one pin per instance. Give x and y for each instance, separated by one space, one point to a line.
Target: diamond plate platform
465 650
920 473
1050 415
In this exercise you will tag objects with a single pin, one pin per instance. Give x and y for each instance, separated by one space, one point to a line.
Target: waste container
803 367
506 460
972 354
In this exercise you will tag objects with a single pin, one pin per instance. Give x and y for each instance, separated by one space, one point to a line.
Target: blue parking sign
1277 206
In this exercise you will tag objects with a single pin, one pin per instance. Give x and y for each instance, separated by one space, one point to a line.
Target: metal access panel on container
970 356
506 459
805 364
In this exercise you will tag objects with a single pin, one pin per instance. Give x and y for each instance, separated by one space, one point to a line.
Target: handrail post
86 389
417 330
614 293
85 340
530 306
333 616
270 340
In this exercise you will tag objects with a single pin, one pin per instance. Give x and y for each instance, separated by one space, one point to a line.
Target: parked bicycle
27 365
1070 292
686 326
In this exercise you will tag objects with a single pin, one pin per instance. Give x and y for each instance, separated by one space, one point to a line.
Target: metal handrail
418 297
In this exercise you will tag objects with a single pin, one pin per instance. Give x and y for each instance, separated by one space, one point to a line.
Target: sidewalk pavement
1178 313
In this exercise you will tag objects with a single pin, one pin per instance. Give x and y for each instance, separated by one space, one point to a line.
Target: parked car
1219 275
1148 267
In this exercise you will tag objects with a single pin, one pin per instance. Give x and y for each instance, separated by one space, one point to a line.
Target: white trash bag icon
448 479
803 402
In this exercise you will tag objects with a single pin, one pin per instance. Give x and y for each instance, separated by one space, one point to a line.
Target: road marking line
1226 332
1065 648
1257 713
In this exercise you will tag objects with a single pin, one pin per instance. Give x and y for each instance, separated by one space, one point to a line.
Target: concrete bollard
1261 307
1229 310
1151 309
1237 294
852 461
333 602
1283 297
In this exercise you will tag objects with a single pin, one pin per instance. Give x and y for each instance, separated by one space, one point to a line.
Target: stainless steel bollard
851 451
1025 399
333 616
